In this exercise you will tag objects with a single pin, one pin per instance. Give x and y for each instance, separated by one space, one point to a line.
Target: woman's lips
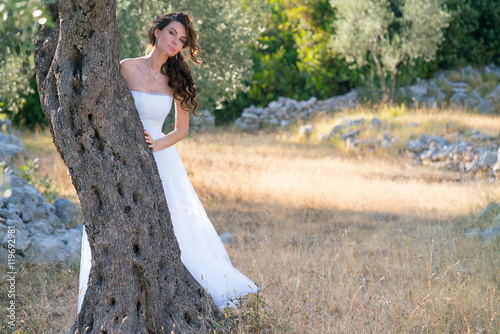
171 48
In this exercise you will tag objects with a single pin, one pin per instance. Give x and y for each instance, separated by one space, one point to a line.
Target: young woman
158 80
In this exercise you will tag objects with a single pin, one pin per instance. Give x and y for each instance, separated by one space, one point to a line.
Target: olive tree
368 32
137 283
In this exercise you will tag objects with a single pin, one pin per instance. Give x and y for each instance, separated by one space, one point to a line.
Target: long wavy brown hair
176 68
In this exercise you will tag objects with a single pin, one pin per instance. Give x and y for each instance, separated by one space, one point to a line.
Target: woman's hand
149 140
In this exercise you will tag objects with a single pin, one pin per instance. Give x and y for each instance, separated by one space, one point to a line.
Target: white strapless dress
202 251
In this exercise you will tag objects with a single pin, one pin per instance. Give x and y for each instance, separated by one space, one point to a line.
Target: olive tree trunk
137 283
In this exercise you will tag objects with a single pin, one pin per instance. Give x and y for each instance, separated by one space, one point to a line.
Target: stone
14 209
416 146
490 212
487 160
73 241
44 210
249 114
18 224
66 211
47 250
27 212
385 143
21 240
22 192
352 144
10 139
358 122
484 105
459 87
6 126
323 136
337 129
376 123
227 239
44 227
306 130
436 139
204 122
351 134
496 230
12 262
471 166
496 221
417 90
10 153
4 213
458 99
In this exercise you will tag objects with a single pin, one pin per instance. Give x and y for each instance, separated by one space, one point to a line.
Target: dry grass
336 243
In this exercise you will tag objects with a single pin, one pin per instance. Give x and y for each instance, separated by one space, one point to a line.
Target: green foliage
324 71
255 52
43 185
385 34
292 59
393 111
226 29
30 115
28 170
473 34
17 23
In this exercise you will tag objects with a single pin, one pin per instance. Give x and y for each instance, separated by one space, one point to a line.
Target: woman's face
172 38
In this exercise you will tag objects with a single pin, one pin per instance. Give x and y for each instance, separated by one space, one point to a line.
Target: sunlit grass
337 243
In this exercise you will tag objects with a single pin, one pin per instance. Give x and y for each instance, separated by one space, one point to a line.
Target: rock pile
11 147
467 153
349 130
473 154
205 122
285 111
35 229
467 88
30 228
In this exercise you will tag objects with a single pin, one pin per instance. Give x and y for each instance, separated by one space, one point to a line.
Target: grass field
337 243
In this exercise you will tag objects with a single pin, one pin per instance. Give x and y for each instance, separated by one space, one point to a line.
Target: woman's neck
156 59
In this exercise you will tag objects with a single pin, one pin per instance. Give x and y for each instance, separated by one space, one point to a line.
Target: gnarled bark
137 283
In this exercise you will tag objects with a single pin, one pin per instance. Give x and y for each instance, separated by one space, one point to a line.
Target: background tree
369 32
473 34
17 19
137 283
226 27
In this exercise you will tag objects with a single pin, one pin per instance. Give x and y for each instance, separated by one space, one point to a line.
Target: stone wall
473 152
31 228
468 88
285 111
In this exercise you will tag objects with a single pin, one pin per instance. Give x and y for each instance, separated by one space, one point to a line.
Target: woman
156 81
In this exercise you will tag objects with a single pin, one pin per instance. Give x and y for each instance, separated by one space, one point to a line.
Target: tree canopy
370 29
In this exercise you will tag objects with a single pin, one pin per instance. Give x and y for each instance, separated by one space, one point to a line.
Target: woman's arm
180 131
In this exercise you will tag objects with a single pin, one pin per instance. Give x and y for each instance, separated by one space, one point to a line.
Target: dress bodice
153 108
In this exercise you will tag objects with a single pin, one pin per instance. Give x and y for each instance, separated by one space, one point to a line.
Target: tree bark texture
137 283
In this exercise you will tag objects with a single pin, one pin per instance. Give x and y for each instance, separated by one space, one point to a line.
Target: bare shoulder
128 65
